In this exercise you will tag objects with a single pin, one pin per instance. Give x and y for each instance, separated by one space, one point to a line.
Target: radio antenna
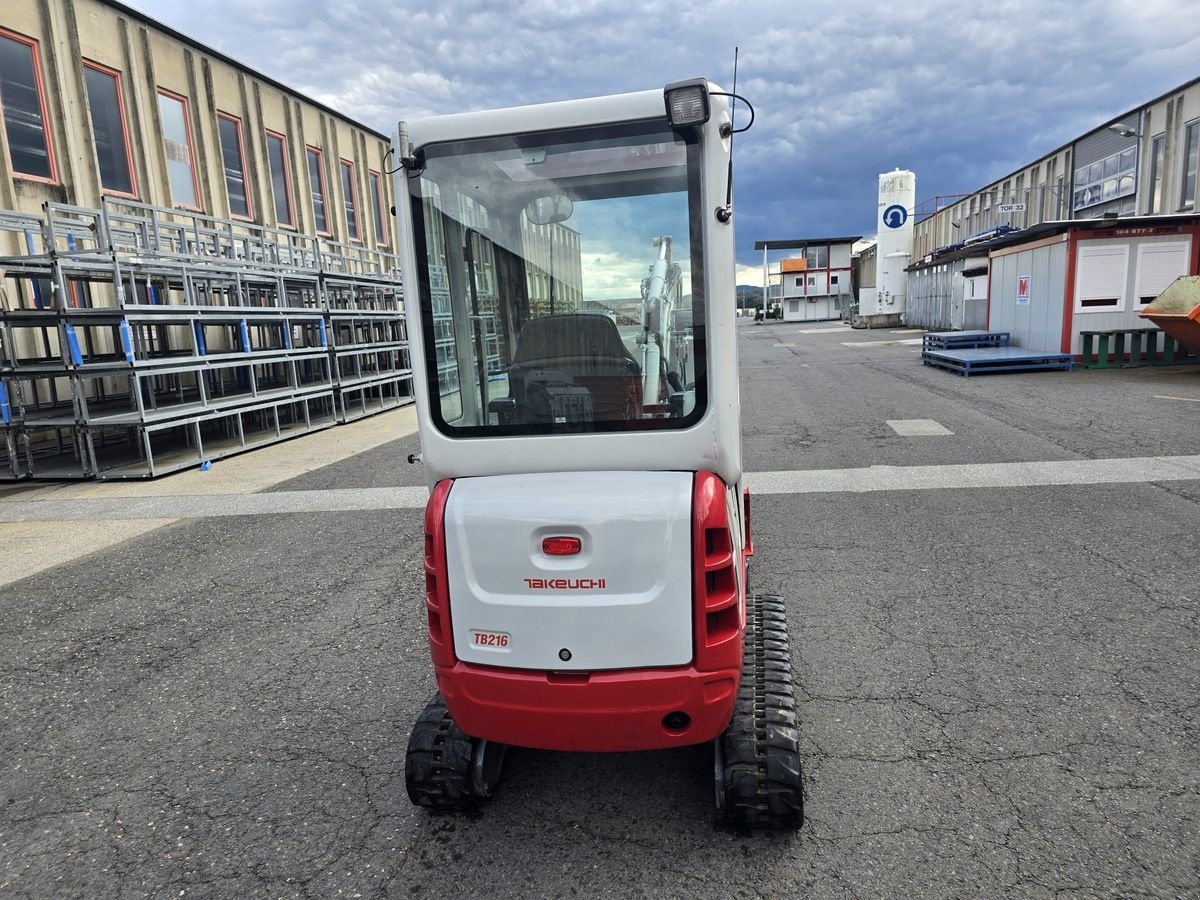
725 213
732 132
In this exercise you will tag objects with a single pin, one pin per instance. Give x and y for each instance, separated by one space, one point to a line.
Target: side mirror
549 210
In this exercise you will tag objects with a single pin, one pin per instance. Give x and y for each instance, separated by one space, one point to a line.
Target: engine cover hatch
622 601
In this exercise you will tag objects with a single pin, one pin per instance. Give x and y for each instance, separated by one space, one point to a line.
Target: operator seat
588 348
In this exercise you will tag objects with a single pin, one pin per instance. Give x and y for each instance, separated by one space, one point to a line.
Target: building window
1106 179
1101 273
1158 265
1157 147
24 106
281 181
109 130
1191 163
817 257
316 186
177 139
377 207
350 198
233 161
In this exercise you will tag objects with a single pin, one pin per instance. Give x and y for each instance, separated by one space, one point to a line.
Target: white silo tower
894 222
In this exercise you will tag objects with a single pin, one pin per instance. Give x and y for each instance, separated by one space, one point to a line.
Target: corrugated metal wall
930 293
1101 144
1038 324
936 298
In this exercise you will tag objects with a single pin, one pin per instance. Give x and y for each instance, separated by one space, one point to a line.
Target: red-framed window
110 129
233 164
316 186
176 126
350 198
281 179
377 207
23 106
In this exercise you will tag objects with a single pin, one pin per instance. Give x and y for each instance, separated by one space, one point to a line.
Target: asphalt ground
998 687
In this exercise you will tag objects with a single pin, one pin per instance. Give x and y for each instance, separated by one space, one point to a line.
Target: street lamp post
765 280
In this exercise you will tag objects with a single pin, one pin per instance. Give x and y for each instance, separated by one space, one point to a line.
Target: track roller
446 769
757 759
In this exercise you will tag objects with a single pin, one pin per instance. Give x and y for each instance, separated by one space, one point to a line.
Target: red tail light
561 546
717 590
437 590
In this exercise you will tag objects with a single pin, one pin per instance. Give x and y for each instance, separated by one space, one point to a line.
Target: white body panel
623 602
713 443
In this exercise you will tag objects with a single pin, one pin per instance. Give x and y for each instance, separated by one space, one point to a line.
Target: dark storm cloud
960 93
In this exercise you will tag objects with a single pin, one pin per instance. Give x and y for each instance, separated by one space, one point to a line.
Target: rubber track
763 778
437 766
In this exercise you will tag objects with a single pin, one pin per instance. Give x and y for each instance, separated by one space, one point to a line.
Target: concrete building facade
1144 162
1042 187
195 260
99 100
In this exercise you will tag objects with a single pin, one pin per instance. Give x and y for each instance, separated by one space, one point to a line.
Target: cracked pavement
999 688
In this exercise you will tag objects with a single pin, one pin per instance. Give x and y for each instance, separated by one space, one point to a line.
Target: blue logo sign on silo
895 216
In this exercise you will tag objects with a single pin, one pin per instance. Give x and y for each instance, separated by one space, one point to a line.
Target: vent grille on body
717 583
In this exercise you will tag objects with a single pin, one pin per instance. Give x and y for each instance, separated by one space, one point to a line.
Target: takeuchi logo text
565 584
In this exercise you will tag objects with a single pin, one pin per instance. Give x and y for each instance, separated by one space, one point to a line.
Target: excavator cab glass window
561 281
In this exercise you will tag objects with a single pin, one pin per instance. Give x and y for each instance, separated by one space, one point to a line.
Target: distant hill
749 296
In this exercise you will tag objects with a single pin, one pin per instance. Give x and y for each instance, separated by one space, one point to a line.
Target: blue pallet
983 360
950 340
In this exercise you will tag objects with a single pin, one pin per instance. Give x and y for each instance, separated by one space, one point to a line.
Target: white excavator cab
575 289
570 290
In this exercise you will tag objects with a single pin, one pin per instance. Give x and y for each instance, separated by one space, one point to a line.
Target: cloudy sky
961 93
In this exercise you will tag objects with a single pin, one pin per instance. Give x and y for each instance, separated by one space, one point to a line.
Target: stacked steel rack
135 340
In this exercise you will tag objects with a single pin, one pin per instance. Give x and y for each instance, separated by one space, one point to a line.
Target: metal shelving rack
136 341
362 293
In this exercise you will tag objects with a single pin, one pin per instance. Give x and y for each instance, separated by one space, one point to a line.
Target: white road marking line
216 505
902 342
1184 399
918 427
1134 470
781 344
